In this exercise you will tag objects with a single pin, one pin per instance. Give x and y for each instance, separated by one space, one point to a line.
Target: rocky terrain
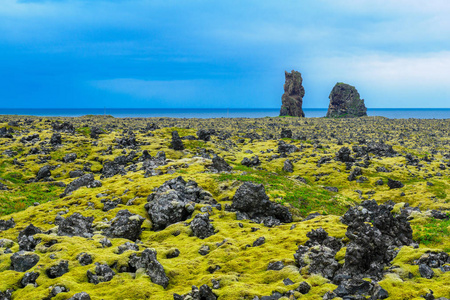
98 207
292 99
345 102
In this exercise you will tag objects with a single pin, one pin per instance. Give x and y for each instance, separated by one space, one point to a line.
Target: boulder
201 226
204 293
152 266
101 273
5 225
292 99
87 180
251 202
288 166
58 270
56 139
345 102
44 172
177 143
26 240
28 278
205 134
76 225
174 202
69 157
220 164
80 296
125 225
23 261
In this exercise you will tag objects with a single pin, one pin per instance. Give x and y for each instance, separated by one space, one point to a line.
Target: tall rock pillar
292 98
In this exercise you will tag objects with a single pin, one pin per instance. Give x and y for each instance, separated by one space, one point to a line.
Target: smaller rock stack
345 102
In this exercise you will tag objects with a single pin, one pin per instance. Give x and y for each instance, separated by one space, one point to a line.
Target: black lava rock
125 225
394 184
28 278
58 270
76 225
102 273
5 225
220 164
152 266
26 240
201 226
177 143
23 261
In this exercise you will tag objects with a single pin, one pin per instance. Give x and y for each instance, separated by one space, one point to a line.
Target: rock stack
292 98
345 102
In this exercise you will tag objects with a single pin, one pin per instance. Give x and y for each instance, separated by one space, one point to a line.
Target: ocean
392 113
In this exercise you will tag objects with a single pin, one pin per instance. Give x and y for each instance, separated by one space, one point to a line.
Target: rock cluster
345 102
292 99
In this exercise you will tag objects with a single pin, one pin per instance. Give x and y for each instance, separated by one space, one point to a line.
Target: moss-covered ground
243 270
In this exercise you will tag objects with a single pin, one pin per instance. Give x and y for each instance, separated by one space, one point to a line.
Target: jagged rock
275 266
345 102
95 132
354 173
112 168
76 225
343 155
253 162
63 127
286 133
288 166
303 288
379 149
319 258
201 226
23 261
204 293
356 288
251 202
56 139
220 164
80 296
434 259
84 259
87 180
260 241
205 134
177 143
44 172
6 295
102 273
5 225
28 278
127 142
69 157
292 99
284 148
58 270
425 271
34 138
152 266
371 247
127 246
320 237
26 240
394 184
174 202
125 225
440 215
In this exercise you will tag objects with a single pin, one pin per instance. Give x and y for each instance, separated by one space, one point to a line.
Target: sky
221 54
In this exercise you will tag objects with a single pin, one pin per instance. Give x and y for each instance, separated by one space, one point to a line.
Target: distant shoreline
392 113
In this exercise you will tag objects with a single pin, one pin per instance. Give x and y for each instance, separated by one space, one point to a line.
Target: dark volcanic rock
5 225
251 202
343 155
102 273
152 266
69 157
372 247
292 99
44 172
288 166
80 296
205 134
58 270
85 259
28 278
394 184
63 127
201 226
112 168
56 139
26 240
345 102
220 164
6 295
177 143
23 261
76 225
204 293
425 271
286 133
125 225
174 202
87 180
253 162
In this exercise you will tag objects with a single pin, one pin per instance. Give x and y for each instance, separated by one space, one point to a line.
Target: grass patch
433 232
86 131
283 189
25 195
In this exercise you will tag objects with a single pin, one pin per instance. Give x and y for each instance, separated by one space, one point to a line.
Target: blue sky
221 54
